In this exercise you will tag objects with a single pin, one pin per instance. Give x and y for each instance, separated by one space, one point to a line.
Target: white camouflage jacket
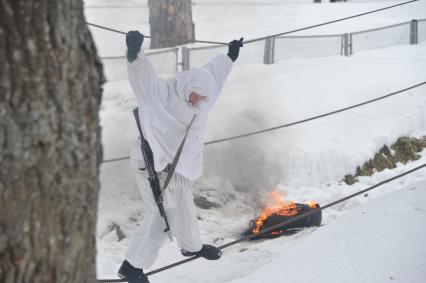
165 113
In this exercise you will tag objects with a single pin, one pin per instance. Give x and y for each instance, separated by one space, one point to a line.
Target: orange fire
276 205
312 204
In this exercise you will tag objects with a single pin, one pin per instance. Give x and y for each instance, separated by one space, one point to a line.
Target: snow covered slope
305 162
367 239
380 241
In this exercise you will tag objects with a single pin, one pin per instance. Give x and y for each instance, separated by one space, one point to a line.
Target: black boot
207 251
132 274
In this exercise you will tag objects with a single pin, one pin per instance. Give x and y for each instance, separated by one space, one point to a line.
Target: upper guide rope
297 122
277 34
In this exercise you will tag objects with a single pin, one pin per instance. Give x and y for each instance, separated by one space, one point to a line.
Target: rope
315 117
116 80
111 29
313 211
148 36
297 122
112 57
276 226
116 159
330 22
278 34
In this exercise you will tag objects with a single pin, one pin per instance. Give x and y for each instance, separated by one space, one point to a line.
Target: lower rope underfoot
277 226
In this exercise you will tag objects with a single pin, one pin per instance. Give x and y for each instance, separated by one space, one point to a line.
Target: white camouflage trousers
181 214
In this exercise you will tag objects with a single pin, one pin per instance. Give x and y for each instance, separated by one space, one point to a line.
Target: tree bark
170 22
50 91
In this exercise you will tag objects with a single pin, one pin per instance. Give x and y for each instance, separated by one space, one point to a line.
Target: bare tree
170 22
50 91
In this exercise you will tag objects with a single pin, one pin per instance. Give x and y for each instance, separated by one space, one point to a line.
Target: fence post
414 32
347 44
177 59
268 57
185 58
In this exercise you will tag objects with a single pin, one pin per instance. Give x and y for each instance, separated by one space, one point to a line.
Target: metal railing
307 46
276 48
198 56
421 30
166 62
380 37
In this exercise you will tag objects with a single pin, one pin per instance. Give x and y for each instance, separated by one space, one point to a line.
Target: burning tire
288 212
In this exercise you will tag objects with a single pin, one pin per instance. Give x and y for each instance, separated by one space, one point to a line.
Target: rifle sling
149 161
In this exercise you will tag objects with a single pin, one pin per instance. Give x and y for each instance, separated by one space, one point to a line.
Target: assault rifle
154 182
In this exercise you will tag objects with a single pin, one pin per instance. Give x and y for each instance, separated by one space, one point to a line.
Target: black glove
234 48
134 41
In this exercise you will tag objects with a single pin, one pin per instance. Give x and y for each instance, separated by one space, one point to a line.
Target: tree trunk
50 91
170 22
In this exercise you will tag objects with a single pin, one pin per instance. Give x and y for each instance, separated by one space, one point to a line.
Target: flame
311 204
275 205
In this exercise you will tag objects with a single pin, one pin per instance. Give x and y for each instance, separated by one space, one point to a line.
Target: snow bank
306 161
261 96
381 241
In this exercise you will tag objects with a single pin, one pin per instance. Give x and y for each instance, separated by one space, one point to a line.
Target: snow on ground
296 89
381 241
306 162
225 20
390 235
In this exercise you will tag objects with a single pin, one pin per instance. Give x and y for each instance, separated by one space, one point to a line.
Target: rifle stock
154 182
